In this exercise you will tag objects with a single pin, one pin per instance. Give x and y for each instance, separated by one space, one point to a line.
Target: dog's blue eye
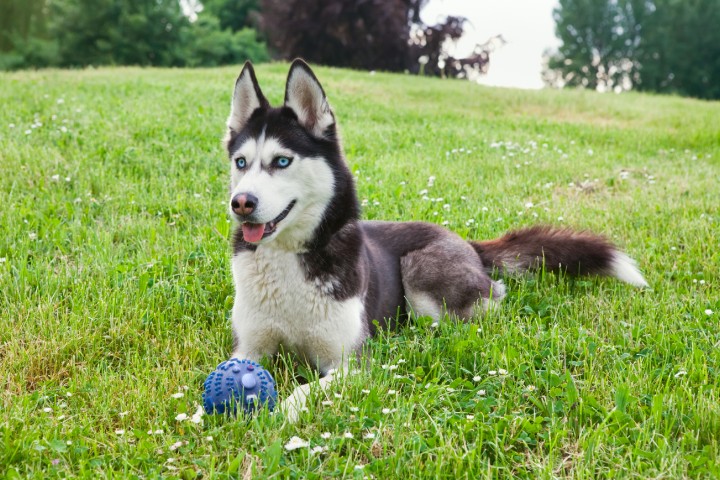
282 162
241 163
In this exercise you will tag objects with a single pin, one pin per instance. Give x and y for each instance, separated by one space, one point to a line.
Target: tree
206 45
597 39
124 32
77 33
369 34
670 46
233 15
680 48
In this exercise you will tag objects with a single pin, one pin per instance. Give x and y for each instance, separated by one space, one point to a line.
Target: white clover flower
318 449
492 372
369 436
680 373
502 371
477 378
470 417
348 435
122 414
47 410
708 312
296 442
531 388
327 403
386 411
365 391
181 417
354 409
481 393
197 416
392 392
119 431
177 445
177 395
325 435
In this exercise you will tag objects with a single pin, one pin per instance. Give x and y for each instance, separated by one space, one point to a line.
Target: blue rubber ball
241 383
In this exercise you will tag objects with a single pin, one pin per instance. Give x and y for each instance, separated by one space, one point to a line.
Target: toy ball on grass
239 383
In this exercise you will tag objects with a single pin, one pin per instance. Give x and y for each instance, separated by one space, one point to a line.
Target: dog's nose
244 203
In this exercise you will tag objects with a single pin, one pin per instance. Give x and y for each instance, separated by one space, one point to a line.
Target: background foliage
668 46
76 33
368 34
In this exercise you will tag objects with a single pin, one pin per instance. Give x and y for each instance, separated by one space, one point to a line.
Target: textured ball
239 382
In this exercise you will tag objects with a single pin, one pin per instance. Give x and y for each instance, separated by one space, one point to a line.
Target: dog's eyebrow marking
259 144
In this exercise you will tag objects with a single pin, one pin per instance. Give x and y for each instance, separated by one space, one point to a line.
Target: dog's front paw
295 403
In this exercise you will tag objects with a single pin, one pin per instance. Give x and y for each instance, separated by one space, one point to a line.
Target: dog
313 278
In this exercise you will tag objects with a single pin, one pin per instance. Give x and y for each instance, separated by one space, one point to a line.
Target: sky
526 25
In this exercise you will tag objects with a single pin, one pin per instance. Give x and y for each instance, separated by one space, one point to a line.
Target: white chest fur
276 305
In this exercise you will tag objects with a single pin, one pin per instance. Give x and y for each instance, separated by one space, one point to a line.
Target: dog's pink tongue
253 232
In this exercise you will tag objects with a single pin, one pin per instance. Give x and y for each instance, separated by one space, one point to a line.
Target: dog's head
289 182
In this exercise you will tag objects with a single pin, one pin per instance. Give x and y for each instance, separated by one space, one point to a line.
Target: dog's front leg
252 338
295 403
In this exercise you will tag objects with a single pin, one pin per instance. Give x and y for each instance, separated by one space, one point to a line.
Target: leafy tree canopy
670 46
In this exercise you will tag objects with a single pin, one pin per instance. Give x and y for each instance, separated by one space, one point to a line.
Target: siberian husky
312 277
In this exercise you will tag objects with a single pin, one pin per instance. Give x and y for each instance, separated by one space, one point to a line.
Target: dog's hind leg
447 276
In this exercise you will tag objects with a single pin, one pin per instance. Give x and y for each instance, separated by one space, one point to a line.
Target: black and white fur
319 276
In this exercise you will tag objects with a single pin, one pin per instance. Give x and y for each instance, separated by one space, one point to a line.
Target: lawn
115 287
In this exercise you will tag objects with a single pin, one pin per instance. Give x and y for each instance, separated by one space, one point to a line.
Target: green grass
115 287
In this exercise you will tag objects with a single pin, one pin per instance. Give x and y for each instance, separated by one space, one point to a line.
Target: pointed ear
246 99
305 96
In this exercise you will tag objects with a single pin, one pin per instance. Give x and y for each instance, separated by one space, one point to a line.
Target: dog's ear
246 99
305 96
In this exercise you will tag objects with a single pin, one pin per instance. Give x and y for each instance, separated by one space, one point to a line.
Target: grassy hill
115 287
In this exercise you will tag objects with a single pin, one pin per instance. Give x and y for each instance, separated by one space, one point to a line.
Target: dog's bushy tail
555 249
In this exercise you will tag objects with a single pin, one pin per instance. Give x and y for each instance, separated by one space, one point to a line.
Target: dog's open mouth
254 232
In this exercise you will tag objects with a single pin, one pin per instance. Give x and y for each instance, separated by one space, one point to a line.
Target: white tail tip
625 269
